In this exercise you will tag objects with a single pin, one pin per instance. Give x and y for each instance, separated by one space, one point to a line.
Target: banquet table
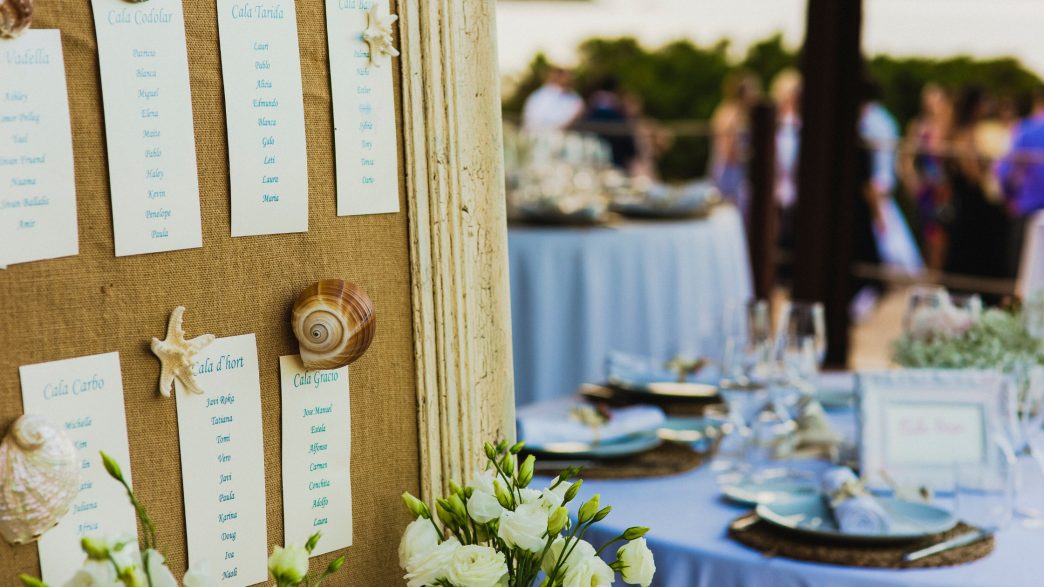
646 287
689 519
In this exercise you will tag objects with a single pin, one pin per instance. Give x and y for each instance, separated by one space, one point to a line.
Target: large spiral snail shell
15 16
334 321
39 478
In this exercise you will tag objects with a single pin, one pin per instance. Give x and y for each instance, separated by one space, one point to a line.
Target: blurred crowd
952 191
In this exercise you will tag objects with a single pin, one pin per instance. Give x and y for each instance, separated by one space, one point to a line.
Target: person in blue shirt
1021 172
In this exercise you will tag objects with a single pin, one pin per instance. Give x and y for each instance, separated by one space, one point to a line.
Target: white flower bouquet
497 531
123 562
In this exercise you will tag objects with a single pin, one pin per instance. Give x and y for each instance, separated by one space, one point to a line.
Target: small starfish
378 33
176 354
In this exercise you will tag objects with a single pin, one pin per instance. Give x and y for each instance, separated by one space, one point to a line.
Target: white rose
158 571
483 507
525 527
419 539
639 566
476 566
589 572
432 567
93 574
199 576
582 550
288 564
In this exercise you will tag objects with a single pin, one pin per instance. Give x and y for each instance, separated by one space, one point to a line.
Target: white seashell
15 16
40 477
334 321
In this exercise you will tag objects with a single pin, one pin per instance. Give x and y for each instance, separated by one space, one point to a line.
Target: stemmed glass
801 343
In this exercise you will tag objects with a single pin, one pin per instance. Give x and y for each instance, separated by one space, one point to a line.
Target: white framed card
917 425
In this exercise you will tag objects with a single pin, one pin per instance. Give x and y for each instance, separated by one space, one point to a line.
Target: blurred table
653 288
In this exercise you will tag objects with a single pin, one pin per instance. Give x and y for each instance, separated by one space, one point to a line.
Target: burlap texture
95 302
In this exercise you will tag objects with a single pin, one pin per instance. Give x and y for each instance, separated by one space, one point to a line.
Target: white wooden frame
453 157
989 391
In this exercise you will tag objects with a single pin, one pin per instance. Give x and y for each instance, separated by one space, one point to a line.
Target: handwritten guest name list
364 115
264 105
317 446
148 125
84 396
223 463
37 187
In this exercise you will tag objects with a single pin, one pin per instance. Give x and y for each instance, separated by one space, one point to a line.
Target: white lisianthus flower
525 527
639 566
582 550
476 566
553 498
432 567
93 574
199 576
288 564
419 539
530 495
483 507
589 572
158 571
482 480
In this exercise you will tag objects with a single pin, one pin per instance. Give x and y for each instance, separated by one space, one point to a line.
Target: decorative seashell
39 478
334 321
15 16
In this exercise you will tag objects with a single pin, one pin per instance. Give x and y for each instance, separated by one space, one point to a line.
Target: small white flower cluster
498 531
117 561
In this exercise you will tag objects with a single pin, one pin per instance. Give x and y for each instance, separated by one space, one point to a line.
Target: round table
654 288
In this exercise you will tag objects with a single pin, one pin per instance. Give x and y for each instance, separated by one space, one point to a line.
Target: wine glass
802 342
747 332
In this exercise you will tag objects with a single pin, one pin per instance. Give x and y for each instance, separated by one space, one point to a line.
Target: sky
939 28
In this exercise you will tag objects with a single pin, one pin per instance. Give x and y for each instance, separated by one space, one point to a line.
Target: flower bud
416 506
502 446
31 581
508 464
97 550
112 467
525 472
457 506
570 493
503 497
588 510
557 521
517 447
445 515
602 513
635 532
491 453
335 565
313 540
468 492
455 488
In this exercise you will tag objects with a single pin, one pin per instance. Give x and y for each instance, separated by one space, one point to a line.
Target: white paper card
928 434
264 106
148 125
223 463
37 186
85 397
364 114
317 439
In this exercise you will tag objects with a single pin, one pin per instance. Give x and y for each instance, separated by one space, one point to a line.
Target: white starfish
176 354
378 33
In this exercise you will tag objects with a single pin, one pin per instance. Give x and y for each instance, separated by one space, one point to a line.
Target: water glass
801 343
984 495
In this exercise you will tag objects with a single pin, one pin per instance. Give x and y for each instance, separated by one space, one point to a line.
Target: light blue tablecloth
688 537
654 288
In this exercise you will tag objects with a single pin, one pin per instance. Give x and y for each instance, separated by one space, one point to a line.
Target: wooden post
828 178
763 231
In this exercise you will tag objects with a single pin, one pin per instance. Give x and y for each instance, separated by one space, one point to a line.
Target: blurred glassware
747 331
801 342
922 297
985 493
744 401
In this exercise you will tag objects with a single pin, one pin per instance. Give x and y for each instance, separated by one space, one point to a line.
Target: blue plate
616 449
909 520
780 488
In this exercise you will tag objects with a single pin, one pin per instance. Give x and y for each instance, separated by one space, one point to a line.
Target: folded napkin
628 369
855 510
543 424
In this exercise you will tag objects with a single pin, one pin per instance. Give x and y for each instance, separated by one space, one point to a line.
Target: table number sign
84 396
37 187
364 114
223 463
317 436
148 125
264 105
918 424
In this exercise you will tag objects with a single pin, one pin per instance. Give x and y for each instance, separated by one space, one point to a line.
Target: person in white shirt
554 106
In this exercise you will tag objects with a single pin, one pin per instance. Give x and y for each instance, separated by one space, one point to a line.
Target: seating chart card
317 437
223 463
37 184
264 106
364 114
84 396
148 125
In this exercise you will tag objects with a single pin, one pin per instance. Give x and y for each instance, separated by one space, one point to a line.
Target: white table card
85 397
148 125
317 437
223 463
264 106
37 187
364 114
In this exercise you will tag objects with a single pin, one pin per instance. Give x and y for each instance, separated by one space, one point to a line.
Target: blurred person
607 116
921 166
1021 175
786 95
650 139
730 135
993 135
554 105
978 233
